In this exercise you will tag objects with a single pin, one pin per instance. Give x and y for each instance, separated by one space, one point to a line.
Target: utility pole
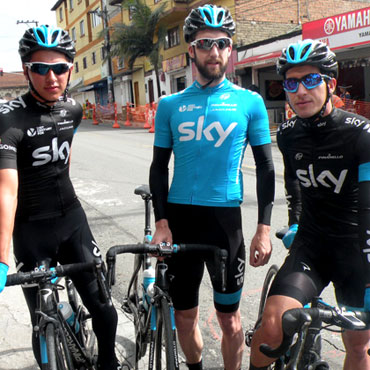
104 15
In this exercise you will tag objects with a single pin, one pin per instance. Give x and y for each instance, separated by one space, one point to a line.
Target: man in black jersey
38 205
326 155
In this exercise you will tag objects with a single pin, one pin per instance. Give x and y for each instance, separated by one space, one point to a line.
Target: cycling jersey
208 130
330 159
36 140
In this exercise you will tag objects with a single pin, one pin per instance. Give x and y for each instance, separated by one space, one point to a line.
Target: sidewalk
15 333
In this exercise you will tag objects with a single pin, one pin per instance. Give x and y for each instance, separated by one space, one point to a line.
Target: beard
206 73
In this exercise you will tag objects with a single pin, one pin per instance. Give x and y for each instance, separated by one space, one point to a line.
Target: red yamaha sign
342 30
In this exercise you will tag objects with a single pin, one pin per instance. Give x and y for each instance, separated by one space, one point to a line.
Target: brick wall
258 20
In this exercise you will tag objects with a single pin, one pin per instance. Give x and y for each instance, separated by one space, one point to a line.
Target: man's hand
367 299
261 248
3 272
290 235
162 232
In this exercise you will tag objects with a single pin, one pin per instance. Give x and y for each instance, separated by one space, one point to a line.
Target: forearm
265 174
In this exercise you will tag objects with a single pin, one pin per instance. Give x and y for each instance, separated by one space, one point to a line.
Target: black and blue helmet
208 16
46 38
308 52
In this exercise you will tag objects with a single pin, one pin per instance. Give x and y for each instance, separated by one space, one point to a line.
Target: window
172 38
71 4
82 28
120 63
102 53
61 14
76 67
156 1
131 10
93 57
95 18
84 62
74 34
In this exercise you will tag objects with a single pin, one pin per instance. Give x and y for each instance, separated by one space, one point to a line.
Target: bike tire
140 315
165 338
270 275
59 357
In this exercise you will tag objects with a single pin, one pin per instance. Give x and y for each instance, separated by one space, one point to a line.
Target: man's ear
332 83
25 72
191 51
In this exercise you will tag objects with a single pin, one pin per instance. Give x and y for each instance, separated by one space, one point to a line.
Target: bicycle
147 298
305 353
64 328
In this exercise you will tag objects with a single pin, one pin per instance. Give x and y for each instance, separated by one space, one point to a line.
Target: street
106 166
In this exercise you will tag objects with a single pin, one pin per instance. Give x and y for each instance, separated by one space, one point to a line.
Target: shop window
172 38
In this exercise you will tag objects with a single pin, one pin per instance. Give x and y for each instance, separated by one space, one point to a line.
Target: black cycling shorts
220 226
314 261
65 239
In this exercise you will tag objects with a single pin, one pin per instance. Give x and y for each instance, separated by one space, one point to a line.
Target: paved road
107 164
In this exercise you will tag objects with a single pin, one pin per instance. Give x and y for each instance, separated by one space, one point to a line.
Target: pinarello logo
329 26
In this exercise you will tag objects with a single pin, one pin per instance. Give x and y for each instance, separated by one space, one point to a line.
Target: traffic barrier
95 121
152 129
128 123
115 124
84 111
147 116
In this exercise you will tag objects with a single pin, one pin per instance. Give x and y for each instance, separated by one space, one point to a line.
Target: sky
11 32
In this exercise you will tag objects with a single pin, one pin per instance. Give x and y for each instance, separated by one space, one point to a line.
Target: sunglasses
207 44
44 68
309 81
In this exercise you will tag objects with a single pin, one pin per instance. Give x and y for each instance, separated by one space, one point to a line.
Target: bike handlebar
44 274
166 250
297 319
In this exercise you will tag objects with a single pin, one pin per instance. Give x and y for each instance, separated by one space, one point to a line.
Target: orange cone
128 123
95 121
115 124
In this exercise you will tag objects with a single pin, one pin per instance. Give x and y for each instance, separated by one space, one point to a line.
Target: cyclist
207 126
326 154
38 203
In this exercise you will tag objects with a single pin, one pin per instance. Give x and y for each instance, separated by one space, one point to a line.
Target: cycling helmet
46 38
308 52
208 16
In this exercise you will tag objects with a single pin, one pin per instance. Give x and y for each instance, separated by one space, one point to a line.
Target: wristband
3 272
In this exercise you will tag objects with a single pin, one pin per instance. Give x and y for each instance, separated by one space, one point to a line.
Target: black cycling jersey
330 160
36 140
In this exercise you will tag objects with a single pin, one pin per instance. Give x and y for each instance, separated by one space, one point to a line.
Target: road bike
305 325
64 328
147 298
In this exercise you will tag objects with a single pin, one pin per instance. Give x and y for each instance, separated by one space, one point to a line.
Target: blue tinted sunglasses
309 81
44 68
207 44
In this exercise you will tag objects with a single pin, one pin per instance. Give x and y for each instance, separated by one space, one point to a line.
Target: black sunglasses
207 44
309 81
44 68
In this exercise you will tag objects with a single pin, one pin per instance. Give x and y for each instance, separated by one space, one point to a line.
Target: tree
136 39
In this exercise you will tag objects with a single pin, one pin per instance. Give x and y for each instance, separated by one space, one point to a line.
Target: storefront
348 35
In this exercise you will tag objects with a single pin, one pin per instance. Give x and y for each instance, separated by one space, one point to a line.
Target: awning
258 60
75 83
85 88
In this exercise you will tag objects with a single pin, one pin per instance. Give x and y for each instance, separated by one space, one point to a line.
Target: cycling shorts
220 226
65 239
315 261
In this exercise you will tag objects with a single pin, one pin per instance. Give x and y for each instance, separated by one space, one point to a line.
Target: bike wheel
165 338
139 312
59 357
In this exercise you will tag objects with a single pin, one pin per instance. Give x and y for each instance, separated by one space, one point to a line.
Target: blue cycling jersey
208 130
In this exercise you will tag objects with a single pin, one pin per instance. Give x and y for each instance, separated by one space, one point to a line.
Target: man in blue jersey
208 126
326 154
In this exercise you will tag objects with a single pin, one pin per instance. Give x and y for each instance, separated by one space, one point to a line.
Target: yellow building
91 78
